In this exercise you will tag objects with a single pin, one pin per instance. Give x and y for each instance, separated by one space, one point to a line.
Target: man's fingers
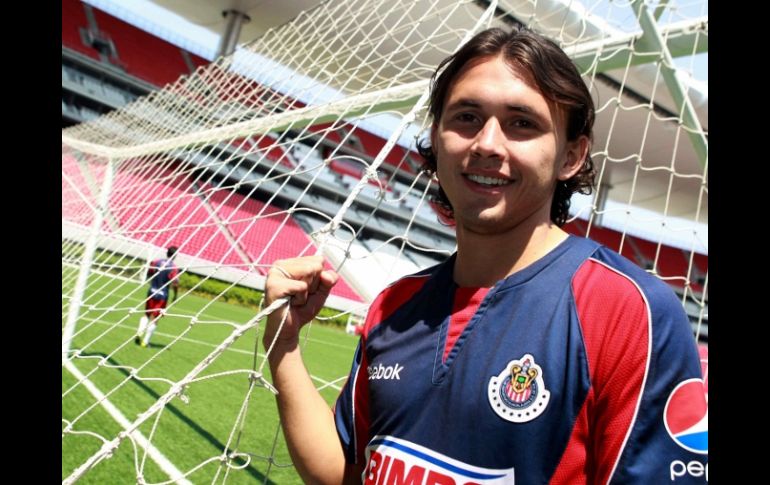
282 271
284 276
294 289
305 268
328 278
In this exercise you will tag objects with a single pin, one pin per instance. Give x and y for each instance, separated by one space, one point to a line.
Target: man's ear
575 156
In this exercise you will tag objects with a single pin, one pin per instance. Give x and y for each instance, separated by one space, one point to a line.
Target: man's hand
308 424
307 285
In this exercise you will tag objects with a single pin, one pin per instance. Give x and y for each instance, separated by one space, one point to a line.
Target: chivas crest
518 393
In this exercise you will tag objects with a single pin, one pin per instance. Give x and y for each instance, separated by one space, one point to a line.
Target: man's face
501 148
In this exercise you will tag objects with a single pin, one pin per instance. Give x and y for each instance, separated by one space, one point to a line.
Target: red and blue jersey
580 368
161 273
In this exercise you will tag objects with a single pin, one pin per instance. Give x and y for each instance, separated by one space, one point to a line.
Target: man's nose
489 140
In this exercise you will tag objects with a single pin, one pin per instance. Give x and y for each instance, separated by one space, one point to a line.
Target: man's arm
307 420
642 357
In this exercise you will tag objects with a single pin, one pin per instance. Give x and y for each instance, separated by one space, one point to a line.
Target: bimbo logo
686 416
392 460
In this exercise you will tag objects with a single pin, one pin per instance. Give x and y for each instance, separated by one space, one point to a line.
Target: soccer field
192 431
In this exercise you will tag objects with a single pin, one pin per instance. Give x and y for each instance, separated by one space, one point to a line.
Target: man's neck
483 259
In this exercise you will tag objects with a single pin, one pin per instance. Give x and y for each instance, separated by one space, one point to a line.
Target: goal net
303 142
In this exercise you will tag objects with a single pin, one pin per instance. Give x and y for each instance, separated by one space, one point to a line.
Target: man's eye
521 123
466 117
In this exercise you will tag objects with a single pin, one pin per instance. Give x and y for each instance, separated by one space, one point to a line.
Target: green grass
205 286
186 433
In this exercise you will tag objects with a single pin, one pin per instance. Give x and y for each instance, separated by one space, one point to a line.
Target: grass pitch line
182 314
138 437
332 384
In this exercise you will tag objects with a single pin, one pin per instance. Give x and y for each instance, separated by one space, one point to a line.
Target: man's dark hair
556 77
171 251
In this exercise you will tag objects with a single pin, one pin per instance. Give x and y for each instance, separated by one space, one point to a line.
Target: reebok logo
381 372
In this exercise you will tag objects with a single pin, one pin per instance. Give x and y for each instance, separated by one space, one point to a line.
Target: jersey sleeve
646 412
351 412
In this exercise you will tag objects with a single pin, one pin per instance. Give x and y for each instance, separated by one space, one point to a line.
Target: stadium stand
88 30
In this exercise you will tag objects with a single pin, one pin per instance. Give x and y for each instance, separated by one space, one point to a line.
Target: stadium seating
133 46
73 20
180 215
78 197
164 210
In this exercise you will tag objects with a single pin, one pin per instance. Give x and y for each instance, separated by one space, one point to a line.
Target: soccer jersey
580 368
161 273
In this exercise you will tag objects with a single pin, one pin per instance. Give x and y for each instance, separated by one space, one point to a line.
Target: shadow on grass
179 414
150 345
156 346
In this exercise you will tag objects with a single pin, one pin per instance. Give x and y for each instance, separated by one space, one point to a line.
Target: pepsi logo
686 416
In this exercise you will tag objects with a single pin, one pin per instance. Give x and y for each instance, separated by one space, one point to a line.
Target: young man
162 274
530 355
